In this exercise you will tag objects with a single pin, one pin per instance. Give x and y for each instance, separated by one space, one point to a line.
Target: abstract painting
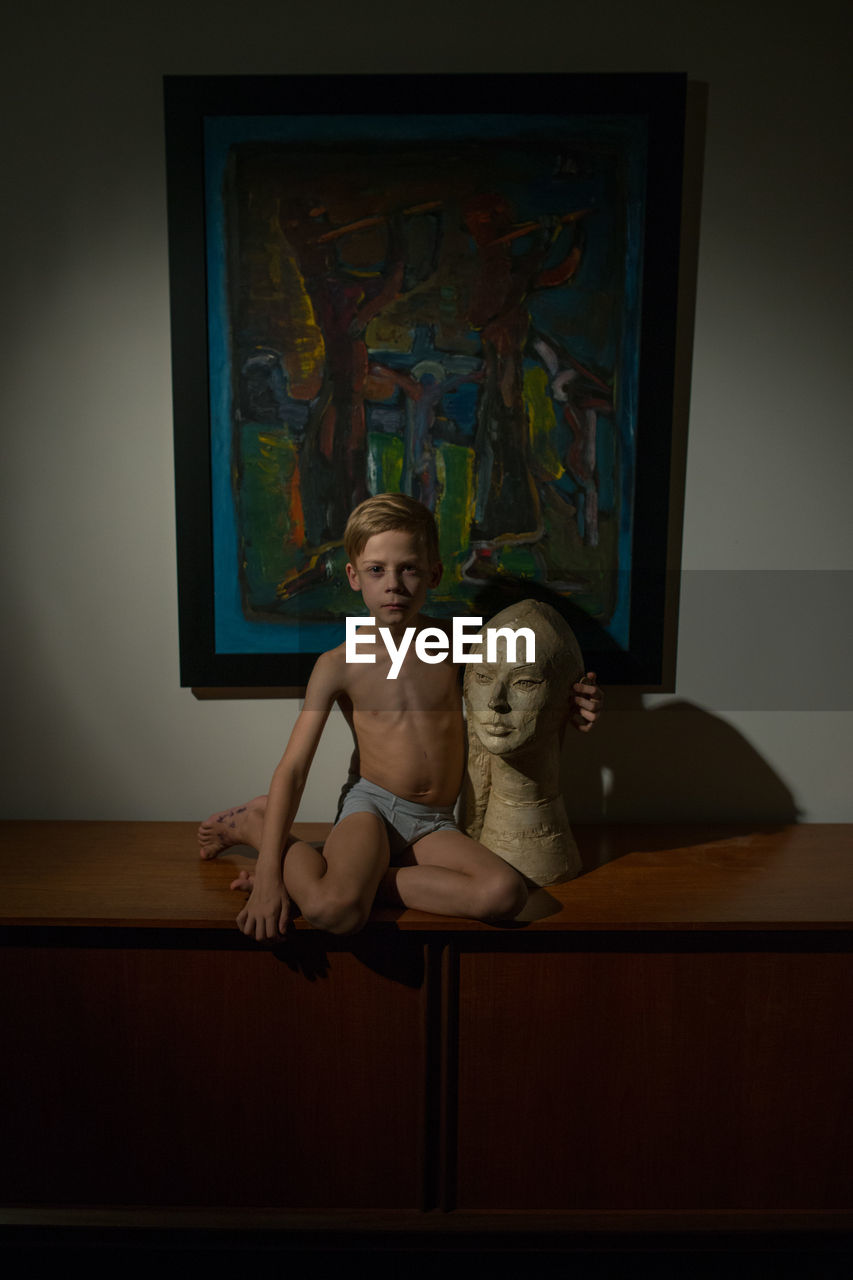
449 303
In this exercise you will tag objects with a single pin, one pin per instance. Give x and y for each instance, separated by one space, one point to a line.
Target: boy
395 835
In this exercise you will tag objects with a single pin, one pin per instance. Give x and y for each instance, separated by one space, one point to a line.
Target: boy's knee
336 914
504 895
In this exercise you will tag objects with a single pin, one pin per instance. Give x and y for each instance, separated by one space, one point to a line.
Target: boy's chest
418 686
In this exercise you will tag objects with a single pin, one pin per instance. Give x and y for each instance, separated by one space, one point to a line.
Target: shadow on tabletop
404 963
672 766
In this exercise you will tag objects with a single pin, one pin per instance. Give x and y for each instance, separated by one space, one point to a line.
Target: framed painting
462 288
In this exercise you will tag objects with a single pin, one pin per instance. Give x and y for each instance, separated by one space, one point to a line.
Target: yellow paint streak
304 351
542 421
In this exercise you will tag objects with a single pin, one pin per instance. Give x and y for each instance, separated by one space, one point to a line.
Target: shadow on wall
671 763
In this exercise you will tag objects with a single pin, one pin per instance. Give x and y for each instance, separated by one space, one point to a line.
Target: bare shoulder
327 680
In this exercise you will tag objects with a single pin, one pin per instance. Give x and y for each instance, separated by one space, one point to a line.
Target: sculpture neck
528 777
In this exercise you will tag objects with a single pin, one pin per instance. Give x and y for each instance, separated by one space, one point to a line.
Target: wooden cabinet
669 1041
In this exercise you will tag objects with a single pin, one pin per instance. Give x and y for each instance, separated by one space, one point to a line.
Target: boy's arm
587 701
265 913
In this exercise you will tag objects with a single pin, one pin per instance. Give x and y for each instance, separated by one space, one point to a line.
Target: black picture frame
656 100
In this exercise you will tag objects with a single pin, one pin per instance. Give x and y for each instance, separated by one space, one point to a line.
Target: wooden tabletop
149 875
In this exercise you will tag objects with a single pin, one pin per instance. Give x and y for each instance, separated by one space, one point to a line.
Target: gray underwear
405 820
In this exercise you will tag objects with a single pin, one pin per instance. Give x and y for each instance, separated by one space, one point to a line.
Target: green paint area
265 481
455 472
384 462
521 563
542 421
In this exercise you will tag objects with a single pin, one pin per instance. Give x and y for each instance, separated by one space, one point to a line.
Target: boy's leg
335 890
244 824
453 875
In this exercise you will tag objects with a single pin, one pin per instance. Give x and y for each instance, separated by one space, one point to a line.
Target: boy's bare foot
244 881
241 825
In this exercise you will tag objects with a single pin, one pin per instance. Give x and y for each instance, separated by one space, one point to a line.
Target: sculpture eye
526 684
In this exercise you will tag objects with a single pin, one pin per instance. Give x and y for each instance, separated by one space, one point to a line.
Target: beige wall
96 725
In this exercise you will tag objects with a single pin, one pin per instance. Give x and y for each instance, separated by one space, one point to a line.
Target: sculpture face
514 705
508 704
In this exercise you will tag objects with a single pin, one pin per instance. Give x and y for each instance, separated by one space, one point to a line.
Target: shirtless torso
409 732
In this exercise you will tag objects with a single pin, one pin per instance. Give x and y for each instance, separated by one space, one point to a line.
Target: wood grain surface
148 874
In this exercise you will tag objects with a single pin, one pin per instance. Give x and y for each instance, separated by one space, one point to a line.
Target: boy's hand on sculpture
586 704
266 913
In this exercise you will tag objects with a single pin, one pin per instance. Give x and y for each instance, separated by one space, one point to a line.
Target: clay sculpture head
517 712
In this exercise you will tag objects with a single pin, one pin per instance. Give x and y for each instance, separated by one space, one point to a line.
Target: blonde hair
386 511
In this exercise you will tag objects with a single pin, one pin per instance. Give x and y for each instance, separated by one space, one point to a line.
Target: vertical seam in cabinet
449 1075
431 1115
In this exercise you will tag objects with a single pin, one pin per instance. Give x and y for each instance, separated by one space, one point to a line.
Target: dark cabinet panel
715 1080
143 1076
